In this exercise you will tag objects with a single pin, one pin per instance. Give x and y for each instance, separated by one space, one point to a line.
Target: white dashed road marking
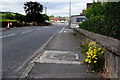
2 36
11 35
61 30
39 29
27 31
7 35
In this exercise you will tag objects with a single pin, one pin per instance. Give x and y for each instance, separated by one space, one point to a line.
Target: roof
59 18
76 15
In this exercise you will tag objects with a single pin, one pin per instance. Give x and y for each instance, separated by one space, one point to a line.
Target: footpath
62 58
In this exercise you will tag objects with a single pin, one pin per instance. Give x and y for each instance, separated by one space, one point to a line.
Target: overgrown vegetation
95 57
75 35
103 18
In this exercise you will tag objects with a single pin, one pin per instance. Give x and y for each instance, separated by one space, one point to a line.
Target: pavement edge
31 64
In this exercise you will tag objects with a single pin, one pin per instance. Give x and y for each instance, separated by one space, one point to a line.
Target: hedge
14 24
112 19
94 24
107 24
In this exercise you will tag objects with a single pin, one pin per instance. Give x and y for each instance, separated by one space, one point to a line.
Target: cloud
45 0
54 8
61 10
12 7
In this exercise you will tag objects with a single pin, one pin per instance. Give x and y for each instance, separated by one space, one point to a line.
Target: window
79 19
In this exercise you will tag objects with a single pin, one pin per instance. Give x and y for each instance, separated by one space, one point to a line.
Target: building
89 5
83 11
59 20
81 14
75 20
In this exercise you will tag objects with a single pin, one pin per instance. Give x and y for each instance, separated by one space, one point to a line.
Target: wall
112 50
74 22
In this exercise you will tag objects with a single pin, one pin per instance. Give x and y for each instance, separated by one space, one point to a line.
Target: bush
107 24
8 15
96 9
94 24
95 57
112 19
5 23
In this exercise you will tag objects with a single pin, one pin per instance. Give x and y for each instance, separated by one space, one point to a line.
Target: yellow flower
95 61
99 49
88 56
95 52
94 42
94 49
90 48
88 53
90 44
89 61
102 52
86 60
94 56
91 54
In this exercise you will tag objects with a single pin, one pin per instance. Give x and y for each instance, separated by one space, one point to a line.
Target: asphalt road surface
19 47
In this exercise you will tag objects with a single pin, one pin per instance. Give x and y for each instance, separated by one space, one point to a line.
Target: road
19 47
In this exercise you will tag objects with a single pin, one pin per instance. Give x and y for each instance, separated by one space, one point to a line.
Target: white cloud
45 0
59 0
61 9
12 7
76 9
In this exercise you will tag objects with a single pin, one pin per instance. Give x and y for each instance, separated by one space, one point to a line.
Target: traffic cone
8 26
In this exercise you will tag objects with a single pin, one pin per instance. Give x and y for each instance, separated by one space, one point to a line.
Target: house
75 20
89 5
59 19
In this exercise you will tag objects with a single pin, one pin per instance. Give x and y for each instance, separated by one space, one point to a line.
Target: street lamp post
46 8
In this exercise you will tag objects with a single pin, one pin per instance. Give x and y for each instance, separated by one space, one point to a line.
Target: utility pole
69 13
70 9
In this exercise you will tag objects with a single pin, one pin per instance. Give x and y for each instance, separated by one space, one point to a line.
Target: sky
54 7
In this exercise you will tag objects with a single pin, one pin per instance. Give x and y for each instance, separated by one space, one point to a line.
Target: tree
39 18
19 17
97 9
36 17
51 16
8 15
29 17
46 17
33 11
33 7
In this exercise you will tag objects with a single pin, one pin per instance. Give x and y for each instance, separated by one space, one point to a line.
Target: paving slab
62 59
53 70
65 57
